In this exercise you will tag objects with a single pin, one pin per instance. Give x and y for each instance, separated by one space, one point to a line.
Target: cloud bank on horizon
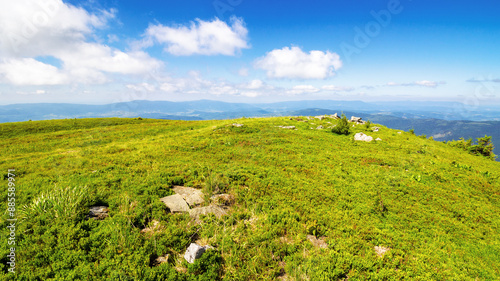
54 50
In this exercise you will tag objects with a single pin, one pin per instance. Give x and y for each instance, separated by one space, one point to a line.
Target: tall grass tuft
66 203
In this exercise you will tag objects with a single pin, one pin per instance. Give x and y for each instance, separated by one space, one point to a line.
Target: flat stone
287 127
198 211
237 125
175 203
191 195
378 139
319 127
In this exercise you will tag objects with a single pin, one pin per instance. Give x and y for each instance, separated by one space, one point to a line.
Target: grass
435 206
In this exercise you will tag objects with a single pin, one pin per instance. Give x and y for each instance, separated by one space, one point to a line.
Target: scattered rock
191 195
375 129
319 127
194 252
335 116
320 117
175 203
287 127
98 212
297 119
378 139
380 251
362 137
355 119
399 133
198 211
237 125
317 242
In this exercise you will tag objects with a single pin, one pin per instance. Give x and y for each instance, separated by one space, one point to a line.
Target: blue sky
103 51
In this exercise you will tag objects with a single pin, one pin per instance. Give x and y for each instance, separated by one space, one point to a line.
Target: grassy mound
433 207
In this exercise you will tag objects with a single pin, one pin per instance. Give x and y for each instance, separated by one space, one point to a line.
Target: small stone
378 139
98 212
362 137
319 127
195 251
237 125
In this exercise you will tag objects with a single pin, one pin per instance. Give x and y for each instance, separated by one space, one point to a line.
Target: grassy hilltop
433 207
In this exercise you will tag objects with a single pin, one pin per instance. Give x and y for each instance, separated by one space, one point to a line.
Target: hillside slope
432 207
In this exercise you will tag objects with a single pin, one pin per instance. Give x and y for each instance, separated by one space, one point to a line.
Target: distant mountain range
442 120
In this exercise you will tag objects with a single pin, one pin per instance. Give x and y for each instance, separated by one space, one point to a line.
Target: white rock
378 139
194 252
362 137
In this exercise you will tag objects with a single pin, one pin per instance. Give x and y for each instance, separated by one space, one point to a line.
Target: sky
106 51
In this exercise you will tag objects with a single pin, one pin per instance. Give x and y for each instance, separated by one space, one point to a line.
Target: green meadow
432 206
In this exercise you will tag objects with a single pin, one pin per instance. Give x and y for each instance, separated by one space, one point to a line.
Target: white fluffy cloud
201 37
294 63
52 28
